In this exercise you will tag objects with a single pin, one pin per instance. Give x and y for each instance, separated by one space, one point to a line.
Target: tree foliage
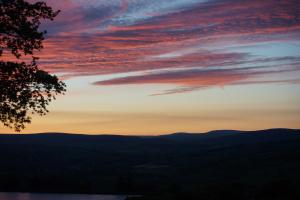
24 88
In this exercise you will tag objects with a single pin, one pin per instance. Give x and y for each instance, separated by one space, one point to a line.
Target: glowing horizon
158 67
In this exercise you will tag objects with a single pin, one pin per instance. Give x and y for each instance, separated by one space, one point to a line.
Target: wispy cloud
194 79
111 37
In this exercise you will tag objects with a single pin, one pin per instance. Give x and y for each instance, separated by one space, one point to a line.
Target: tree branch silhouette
24 88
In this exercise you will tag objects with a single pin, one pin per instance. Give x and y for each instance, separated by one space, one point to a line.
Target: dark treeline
218 165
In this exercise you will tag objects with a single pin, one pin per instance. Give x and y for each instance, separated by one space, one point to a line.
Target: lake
37 196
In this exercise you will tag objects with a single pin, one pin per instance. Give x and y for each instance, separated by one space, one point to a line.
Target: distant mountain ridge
226 133
228 137
212 133
256 162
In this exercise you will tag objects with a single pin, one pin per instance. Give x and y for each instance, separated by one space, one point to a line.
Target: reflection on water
32 196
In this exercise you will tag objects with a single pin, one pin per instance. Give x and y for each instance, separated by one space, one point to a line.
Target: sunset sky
163 66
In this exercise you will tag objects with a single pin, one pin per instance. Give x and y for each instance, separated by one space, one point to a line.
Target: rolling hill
215 165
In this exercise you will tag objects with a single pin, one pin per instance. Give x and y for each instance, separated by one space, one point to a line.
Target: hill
215 165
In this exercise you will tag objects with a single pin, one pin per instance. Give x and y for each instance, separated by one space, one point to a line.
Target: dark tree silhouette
24 88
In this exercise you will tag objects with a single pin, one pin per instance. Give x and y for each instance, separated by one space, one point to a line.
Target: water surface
37 196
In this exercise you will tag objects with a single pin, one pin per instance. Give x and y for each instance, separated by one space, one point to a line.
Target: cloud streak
112 37
194 79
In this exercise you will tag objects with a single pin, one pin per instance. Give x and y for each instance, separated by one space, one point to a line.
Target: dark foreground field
217 165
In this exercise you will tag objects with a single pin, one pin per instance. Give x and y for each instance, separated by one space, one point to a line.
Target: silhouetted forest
217 165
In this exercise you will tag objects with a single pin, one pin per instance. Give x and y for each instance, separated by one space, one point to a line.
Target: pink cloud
88 41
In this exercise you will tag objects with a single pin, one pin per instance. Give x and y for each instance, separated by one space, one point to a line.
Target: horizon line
146 135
